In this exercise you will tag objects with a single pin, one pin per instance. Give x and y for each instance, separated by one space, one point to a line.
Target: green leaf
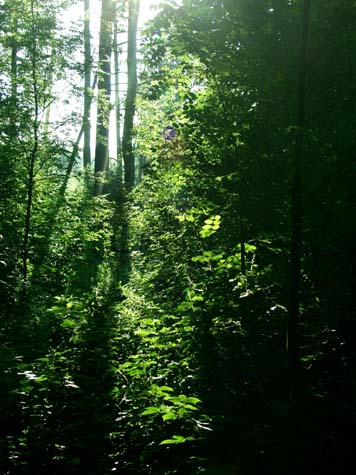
250 248
198 298
67 323
308 358
193 400
177 439
190 407
151 410
165 388
169 416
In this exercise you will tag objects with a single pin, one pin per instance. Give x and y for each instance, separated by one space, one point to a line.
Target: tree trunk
296 211
34 150
87 85
104 91
127 148
14 78
117 94
50 85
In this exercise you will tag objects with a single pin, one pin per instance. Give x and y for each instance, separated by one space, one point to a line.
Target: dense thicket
146 332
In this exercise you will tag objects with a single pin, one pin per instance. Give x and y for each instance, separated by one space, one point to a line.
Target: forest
177 232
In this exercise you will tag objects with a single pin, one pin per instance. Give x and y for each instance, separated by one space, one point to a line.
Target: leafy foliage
145 333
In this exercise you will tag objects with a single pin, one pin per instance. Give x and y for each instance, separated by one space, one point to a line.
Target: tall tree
87 85
297 205
104 90
127 146
34 56
117 52
14 59
35 141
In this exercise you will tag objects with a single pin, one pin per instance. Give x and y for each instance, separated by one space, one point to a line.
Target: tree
117 51
34 149
127 138
35 152
244 145
297 208
104 91
87 85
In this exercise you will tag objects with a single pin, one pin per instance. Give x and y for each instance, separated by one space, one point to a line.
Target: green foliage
147 335
211 225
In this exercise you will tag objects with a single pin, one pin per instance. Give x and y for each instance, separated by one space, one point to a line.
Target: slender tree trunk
14 79
296 210
127 148
14 51
87 85
50 84
34 151
117 94
104 91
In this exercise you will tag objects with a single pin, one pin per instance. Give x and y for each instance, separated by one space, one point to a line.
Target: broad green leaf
151 410
169 416
193 400
177 439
